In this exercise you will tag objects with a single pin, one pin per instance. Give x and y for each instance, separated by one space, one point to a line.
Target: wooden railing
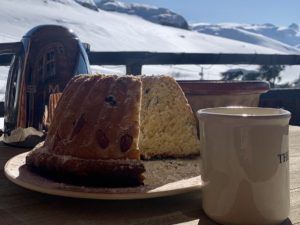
135 60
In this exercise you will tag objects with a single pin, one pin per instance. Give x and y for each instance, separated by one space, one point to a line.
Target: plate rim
90 195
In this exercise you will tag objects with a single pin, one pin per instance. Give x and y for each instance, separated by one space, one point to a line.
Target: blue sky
278 12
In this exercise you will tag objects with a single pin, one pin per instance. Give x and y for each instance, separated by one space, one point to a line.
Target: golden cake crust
97 118
73 170
96 121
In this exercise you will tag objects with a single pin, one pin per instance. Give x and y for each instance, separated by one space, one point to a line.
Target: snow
289 35
154 14
113 31
88 4
109 31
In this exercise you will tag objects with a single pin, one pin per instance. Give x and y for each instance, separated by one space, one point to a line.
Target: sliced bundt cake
102 122
93 138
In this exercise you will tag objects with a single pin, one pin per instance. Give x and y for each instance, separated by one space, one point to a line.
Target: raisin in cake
168 126
93 138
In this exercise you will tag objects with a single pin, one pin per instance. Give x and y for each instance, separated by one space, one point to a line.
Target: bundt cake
168 126
93 138
103 124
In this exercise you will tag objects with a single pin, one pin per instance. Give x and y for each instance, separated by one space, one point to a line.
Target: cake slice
93 138
168 126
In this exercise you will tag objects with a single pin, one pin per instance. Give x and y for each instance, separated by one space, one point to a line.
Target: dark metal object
43 62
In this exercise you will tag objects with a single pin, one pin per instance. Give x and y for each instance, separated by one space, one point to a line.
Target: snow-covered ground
112 31
289 35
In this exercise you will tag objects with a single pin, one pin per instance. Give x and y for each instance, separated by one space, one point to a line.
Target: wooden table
19 206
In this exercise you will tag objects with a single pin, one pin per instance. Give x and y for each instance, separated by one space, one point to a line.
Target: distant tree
232 74
270 73
296 83
240 74
251 75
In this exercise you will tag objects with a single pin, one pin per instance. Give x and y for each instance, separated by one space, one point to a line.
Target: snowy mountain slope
111 31
242 32
248 32
289 35
151 13
90 4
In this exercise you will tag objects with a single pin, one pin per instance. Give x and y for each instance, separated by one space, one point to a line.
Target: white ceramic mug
245 164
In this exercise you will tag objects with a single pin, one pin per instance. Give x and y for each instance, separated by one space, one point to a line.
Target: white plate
163 178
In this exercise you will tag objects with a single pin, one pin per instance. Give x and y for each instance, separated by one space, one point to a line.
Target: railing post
134 69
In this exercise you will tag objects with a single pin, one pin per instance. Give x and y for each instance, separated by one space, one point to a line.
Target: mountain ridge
153 14
289 35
